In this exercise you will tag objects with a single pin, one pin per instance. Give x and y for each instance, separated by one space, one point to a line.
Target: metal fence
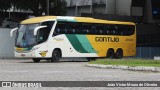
147 52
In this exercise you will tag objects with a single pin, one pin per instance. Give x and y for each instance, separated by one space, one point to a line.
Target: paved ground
26 70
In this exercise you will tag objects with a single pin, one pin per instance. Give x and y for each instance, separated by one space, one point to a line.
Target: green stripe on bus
75 43
85 43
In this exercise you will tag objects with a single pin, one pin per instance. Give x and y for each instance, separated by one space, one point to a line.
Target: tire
56 55
119 54
110 53
36 60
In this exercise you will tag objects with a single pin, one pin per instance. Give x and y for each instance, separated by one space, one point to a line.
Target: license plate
22 55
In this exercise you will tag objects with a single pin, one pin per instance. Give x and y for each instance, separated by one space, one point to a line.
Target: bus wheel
110 53
36 60
56 55
119 54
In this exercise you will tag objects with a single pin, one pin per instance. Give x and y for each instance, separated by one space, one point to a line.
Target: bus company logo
6 84
58 39
43 53
107 39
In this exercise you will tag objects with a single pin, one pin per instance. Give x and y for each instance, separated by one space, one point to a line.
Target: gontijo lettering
106 39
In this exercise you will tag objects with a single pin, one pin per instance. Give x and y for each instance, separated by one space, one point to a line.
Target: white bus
53 37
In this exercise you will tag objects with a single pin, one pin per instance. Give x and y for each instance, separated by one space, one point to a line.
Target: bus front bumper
25 55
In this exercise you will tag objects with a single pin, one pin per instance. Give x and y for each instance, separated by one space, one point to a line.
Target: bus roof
72 19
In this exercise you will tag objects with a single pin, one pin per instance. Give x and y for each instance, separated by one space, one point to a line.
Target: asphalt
69 70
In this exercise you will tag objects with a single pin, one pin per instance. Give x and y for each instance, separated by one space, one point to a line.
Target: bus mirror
11 32
37 28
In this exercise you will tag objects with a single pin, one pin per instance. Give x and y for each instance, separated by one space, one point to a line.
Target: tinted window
43 33
90 29
61 28
101 29
87 29
74 28
125 29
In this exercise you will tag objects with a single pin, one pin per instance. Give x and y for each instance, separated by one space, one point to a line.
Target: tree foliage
5 5
57 7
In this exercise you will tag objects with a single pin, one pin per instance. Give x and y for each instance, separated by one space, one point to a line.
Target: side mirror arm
11 32
37 28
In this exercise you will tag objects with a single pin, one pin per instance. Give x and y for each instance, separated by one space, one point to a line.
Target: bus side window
61 28
113 29
47 30
99 30
126 30
88 29
109 29
73 28
131 30
120 30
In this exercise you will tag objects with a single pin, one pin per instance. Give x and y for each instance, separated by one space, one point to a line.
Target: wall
115 7
110 7
123 7
137 11
147 52
6 44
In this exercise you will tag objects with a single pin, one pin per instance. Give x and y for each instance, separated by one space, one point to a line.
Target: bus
54 37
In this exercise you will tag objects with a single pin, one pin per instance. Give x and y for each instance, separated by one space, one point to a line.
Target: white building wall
123 7
83 10
110 7
115 7
6 44
100 10
71 12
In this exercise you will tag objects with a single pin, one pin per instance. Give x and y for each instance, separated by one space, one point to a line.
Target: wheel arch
119 49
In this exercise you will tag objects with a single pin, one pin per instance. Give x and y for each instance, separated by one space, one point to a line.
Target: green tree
57 7
5 5
36 6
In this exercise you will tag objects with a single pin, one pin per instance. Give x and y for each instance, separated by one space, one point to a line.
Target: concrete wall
118 7
137 11
79 2
110 7
83 10
71 11
147 52
123 7
99 9
6 44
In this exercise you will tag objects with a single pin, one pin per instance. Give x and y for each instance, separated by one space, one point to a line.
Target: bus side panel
71 46
102 43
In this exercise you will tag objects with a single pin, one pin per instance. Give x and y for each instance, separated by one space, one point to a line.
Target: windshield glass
25 36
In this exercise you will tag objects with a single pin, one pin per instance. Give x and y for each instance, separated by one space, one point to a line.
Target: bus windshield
25 36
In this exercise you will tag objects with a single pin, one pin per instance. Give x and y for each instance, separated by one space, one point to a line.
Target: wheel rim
119 54
110 54
56 56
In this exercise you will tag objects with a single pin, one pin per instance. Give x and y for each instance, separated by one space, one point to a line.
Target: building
148 10
145 13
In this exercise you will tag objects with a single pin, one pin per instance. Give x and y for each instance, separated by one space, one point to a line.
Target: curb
132 68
